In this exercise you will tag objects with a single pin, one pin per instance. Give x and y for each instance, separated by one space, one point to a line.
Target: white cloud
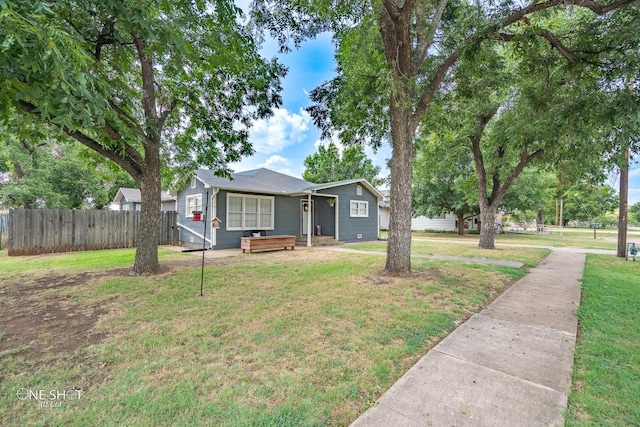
274 162
281 130
634 196
634 172
279 164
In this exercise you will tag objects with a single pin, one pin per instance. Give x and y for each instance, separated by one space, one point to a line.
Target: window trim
193 182
259 214
359 190
358 202
189 214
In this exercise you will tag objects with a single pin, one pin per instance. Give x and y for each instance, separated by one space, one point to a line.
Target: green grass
279 339
605 239
420 246
606 380
74 262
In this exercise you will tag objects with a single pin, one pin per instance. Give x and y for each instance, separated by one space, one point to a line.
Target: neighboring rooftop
132 195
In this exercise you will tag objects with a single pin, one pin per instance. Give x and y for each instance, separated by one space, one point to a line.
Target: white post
309 221
336 204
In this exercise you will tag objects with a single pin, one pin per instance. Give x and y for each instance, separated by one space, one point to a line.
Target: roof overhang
362 181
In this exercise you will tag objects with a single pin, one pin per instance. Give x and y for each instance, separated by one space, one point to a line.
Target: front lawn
579 238
528 256
606 379
287 338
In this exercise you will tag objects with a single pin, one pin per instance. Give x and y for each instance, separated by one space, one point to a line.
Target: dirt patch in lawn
42 318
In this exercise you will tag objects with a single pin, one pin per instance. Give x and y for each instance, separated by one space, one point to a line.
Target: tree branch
148 92
555 42
424 43
127 119
131 162
525 159
427 96
165 114
483 121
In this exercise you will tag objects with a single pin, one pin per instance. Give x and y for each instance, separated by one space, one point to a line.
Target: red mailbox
197 215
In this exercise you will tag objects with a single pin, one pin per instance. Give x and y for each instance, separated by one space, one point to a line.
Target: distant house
129 199
276 204
384 210
444 222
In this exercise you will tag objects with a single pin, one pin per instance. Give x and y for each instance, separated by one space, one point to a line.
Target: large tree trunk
622 215
487 219
146 262
401 165
460 224
540 221
396 36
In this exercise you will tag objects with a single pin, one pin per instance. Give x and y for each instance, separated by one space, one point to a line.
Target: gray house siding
168 206
130 206
355 229
324 216
286 219
190 239
287 208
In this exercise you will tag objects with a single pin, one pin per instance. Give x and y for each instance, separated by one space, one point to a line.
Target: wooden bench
267 242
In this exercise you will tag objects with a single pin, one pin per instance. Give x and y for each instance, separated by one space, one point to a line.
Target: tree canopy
328 165
444 180
395 58
141 83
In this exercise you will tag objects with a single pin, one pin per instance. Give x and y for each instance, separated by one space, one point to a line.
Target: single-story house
276 204
129 199
444 222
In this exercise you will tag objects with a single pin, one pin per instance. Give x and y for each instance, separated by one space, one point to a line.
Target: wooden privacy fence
37 231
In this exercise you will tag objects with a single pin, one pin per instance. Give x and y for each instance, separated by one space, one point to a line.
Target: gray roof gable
130 195
362 181
257 180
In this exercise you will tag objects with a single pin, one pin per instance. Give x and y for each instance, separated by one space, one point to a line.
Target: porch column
336 205
309 221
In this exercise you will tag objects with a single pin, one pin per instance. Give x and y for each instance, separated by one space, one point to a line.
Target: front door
306 211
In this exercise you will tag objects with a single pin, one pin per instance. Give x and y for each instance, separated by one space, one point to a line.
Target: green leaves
328 166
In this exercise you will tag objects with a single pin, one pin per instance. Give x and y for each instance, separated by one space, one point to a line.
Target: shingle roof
256 180
131 195
267 181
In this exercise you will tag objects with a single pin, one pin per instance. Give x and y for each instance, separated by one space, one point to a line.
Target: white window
249 212
193 182
359 190
359 208
194 203
125 207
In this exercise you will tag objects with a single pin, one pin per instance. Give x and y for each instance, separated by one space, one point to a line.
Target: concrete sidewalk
509 365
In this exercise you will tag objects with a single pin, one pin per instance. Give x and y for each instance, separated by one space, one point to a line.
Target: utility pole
624 196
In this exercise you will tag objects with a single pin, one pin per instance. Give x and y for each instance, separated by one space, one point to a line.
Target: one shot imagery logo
49 398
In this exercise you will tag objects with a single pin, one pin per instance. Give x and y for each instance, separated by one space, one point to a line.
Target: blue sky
283 141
